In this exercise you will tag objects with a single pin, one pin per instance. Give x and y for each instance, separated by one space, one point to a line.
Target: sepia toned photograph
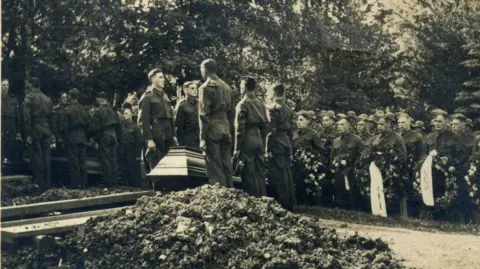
254 134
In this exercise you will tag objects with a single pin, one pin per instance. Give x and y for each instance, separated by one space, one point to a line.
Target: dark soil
369 219
207 227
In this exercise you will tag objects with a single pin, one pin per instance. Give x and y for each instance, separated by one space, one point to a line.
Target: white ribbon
426 184
347 185
377 197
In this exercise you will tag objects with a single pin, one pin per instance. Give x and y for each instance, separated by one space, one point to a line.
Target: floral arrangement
473 180
390 163
446 166
314 169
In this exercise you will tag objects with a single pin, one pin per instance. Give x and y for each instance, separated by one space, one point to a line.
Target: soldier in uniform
415 146
131 144
156 119
326 138
347 147
251 124
459 126
39 130
363 131
279 148
371 123
216 111
57 115
469 127
75 121
385 140
186 117
107 130
419 127
10 122
448 145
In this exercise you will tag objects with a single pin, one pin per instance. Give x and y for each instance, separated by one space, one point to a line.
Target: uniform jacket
75 121
216 102
131 139
447 143
11 112
308 139
38 118
348 145
186 118
414 144
280 115
106 120
389 140
251 116
154 106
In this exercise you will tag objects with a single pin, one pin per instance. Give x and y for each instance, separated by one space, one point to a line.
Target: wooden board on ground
48 225
49 207
16 178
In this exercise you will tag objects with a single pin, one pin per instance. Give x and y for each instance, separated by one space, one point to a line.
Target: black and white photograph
255 134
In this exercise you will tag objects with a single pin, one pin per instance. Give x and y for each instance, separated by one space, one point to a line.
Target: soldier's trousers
162 133
130 168
218 158
280 176
108 157
76 156
191 140
252 154
8 139
40 161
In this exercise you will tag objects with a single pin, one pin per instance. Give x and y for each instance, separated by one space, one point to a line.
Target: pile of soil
207 227
31 194
13 190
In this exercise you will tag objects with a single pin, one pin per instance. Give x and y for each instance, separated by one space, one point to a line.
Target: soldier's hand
203 145
29 140
151 144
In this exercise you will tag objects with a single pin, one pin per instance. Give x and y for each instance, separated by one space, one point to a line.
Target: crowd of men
238 133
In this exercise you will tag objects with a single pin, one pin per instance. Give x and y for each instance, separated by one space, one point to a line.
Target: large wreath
473 180
314 168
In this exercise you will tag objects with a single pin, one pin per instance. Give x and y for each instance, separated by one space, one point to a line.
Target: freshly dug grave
55 194
13 190
207 227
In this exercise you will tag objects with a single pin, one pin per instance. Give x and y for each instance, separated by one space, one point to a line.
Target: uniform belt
161 120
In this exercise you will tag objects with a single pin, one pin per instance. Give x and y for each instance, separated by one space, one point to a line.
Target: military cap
436 112
351 114
379 114
419 124
372 119
102 95
307 114
362 117
331 115
153 72
470 122
390 117
460 117
341 116
74 93
402 114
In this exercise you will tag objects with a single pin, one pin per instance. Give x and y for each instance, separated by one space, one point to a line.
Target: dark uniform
39 126
186 123
366 137
414 144
450 145
347 147
156 123
10 126
216 108
58 111
250 133
308 140
326 138
415 151
107 129
279 144
385 141
75 121
131 144
469 141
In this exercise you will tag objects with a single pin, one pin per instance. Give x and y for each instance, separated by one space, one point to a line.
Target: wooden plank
59 217
16 178
49 207
44 228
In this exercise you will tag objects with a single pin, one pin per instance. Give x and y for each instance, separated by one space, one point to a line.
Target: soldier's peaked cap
459 116
153 72
362 117
351 114
102 95
437 112
74 93
331 115
419 124
372 119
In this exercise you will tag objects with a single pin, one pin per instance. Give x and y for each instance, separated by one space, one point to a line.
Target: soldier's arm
461 151
27 117
317 143
51 119
118 126
402 148
240 119
138 139
203 111
420 149
18 118
145 118
273 129
179 123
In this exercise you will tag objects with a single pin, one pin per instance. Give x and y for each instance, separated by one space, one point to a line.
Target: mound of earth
207 227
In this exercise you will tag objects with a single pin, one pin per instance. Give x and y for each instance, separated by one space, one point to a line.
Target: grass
397 222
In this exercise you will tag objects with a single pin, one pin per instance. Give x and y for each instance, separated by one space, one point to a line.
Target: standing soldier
156 118
107 129
326 138
469 127
186 117
216 110
39 130
347 147
419 127
364 131
74 122
131 143
279 148
57 115
10 122
459 126
250 133
371 123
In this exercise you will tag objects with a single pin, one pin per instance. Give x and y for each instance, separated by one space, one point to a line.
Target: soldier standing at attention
419 127
251 123
131 143
186 117
10 122
156 119
74 122
39 130
347 147
279 148
459 126
216 111
326 138
107 130
57 114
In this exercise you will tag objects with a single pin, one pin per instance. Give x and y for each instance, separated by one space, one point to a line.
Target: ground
422 249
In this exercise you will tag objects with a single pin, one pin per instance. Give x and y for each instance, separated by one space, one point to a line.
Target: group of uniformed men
221 122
